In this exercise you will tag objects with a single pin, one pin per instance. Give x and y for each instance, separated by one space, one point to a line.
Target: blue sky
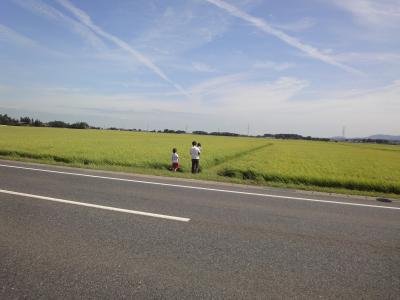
305 66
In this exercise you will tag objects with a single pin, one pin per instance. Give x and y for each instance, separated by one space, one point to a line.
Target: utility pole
248 129
344 132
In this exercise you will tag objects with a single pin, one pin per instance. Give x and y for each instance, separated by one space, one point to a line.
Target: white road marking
201 188
128 211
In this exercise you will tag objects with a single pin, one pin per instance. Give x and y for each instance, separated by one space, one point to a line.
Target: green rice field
365 169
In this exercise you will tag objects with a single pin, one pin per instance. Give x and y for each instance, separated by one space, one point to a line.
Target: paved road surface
239 243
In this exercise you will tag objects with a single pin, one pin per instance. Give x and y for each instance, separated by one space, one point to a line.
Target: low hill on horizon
384 137
371 137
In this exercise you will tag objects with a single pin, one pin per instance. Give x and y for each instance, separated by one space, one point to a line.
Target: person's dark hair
194 143
174 150
198 145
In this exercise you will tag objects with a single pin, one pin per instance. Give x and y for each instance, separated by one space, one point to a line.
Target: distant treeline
290 136
216 133
267 135
27 121
309 138
171 131
373 141
140 130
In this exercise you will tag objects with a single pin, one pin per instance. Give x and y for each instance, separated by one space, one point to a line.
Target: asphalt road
232 242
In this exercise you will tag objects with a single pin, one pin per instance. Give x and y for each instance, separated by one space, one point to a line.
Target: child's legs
194 165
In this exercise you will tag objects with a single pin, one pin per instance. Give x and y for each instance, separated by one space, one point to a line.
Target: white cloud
297 26
236 94
202 67
263 97
217 86
264 26
375 13
371 57
363 112
230 102
273 65
182 28
225 92
194 67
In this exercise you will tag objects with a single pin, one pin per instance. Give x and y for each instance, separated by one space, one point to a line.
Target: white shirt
175 157
195 152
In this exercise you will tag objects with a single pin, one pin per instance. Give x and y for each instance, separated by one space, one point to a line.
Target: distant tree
200 132
6 120
224 134
169 131
25 120
79 125
287 136
174 131
58 124
37 123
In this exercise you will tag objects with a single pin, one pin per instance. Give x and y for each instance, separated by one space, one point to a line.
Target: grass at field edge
208 177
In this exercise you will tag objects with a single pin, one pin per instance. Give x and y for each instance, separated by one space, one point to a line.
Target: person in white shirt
175 160
195 154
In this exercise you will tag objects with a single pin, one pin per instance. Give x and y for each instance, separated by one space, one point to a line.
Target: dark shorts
195 165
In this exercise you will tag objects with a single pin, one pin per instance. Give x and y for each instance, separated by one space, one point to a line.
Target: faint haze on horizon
277 67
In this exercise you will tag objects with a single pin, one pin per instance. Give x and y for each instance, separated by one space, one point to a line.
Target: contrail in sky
9 34
51 13
91 32
85 19
264 26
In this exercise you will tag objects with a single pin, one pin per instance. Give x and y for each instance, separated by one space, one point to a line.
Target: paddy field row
328 166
